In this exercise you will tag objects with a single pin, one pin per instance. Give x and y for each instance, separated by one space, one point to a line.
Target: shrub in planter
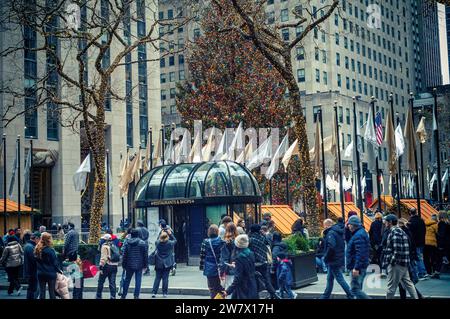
86 251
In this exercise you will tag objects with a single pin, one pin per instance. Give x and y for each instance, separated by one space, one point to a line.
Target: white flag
432 181
275 163
262 153
444 181
363 185
183 155
12 181
108 174
331 184
195 156
347 183
237 144
370 135
26 174
349 150
209 147
399 141
80 176
293 150
222 150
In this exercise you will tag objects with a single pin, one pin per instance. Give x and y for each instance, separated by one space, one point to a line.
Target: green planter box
304 265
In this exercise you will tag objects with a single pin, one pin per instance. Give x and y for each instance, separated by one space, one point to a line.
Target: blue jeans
164 275
321 264
137 282
336 273
420 265
357 285
286 289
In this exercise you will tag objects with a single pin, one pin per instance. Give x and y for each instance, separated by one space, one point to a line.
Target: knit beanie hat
241 241
354 220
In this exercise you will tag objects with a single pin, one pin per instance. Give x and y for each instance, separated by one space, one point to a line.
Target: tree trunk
306 170
97 145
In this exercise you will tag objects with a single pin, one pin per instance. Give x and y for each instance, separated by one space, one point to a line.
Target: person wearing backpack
12 259
109 261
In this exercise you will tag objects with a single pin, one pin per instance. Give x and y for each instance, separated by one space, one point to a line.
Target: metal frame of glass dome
196 195
238 185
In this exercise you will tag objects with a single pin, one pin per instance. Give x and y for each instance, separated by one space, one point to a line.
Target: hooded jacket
358 249
135 254
431 233
416 225
209 261
334 246
12 255
164 255
29 263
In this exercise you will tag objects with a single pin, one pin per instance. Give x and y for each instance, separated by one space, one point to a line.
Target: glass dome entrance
209 182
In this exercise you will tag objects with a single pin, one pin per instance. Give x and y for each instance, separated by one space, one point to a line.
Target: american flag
379 128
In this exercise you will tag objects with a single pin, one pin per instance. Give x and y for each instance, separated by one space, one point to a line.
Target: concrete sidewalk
190 281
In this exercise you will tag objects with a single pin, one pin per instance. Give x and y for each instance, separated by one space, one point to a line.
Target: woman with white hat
244 283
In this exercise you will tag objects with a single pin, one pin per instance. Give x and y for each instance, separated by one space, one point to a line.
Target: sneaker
164 295
19 291
295 295
174 271
153 296
436 276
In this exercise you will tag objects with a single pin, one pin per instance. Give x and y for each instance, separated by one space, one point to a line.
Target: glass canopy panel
198 180
241 181
176 182
154 185
142 185
216 183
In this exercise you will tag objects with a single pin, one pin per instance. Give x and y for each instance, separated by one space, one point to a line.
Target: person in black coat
278 247
29 264
135 261
418 230
413 260
244 283
443 237
334 257
47 265
376 237
164 261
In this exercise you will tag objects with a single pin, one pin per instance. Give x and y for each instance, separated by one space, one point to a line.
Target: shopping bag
89 270
219 296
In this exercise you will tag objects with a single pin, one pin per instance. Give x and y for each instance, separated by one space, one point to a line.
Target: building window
171 60
181 59
301 75
341 114
31 115
347 115
316 110
181 75
338 59
339 80
163 95
172 93
317 75
325 77
162 62
300 53
171 76
284 15
285 34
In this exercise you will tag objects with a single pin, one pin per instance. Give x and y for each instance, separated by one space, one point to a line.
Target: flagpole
108 208
438 151
30 176
341 186
270 191
128 202
287 187
325 197
18 181
150 132
377 166
416 176
400 182
4 184
358 168
121 197
397 177
163 143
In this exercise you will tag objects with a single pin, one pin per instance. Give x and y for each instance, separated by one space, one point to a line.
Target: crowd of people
238 260
406 251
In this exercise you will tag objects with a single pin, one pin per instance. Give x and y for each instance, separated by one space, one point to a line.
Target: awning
334 209
283 216
426 209
13 207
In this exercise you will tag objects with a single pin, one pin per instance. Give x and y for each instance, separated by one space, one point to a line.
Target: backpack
115 254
